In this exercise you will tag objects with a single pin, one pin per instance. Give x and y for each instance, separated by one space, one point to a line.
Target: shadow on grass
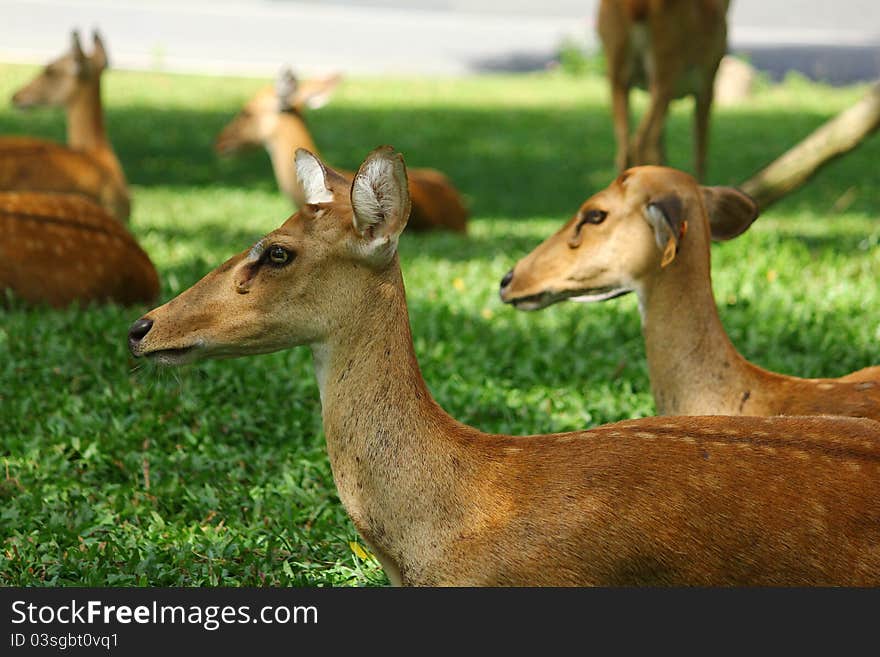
512 163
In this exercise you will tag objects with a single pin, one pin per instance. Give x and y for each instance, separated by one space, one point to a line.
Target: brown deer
649 232
87 165
274 118
657 501
671 48
57 249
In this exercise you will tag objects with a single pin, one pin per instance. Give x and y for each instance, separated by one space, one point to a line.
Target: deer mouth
23 103
172 356
225 146
223 149
180 356
548 298
534 301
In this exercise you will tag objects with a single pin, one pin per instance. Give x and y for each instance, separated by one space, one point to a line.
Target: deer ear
313 177
99 53
666 216
76 48
286 86
730 211
317 93
380 201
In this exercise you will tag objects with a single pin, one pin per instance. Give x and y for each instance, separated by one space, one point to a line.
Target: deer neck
290 133
85 127
396 466
691 362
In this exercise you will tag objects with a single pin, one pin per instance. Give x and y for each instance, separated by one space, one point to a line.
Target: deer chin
229 148
177 356
23 104
601 294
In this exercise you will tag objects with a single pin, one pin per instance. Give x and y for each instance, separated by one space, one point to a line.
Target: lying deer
57 249
87 165
669 501
649 232
671 48
274 119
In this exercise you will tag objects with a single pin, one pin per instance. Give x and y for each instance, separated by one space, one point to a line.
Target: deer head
63 78
625 234
296 285
258 120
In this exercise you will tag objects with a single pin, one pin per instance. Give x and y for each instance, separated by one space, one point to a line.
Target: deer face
298 284
258 120
62 78
252 126
622 236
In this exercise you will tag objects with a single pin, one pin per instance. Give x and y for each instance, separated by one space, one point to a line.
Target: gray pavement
837 41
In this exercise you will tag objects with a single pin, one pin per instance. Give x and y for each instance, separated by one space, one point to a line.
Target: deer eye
278 256
590 217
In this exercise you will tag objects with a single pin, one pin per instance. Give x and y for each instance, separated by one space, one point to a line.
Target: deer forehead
653 180
256 251
265 100
313 227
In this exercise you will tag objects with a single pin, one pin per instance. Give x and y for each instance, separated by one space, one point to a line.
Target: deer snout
507 278
19 100
227 143
136 333
505 282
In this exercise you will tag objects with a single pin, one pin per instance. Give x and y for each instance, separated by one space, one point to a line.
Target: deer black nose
507 278
139 330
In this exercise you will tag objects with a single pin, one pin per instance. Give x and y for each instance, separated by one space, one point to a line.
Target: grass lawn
217 474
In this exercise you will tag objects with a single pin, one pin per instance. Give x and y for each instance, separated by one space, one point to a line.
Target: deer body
274 119
671 48
58 249
655 501
694 368
87 165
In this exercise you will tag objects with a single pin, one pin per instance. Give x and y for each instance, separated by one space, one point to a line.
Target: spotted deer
649 232
275 118
656 501
671 48
87 165
58 249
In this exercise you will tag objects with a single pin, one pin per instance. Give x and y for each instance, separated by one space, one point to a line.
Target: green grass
217 474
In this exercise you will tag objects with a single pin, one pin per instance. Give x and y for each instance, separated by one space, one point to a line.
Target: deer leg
702 108
620 113
649 138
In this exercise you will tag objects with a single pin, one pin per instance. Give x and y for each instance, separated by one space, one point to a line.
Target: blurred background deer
274 118
653 501
649 232
672 49
87 165
59 249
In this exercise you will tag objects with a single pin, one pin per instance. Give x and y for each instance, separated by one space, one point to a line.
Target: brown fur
694 368
671 48
658 501
58 249
436 204
87 165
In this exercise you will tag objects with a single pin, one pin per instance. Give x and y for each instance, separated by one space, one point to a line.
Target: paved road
839 41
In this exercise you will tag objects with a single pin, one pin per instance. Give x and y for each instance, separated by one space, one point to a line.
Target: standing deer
671 48
663 501
87 165
57 249
649 232
274 118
